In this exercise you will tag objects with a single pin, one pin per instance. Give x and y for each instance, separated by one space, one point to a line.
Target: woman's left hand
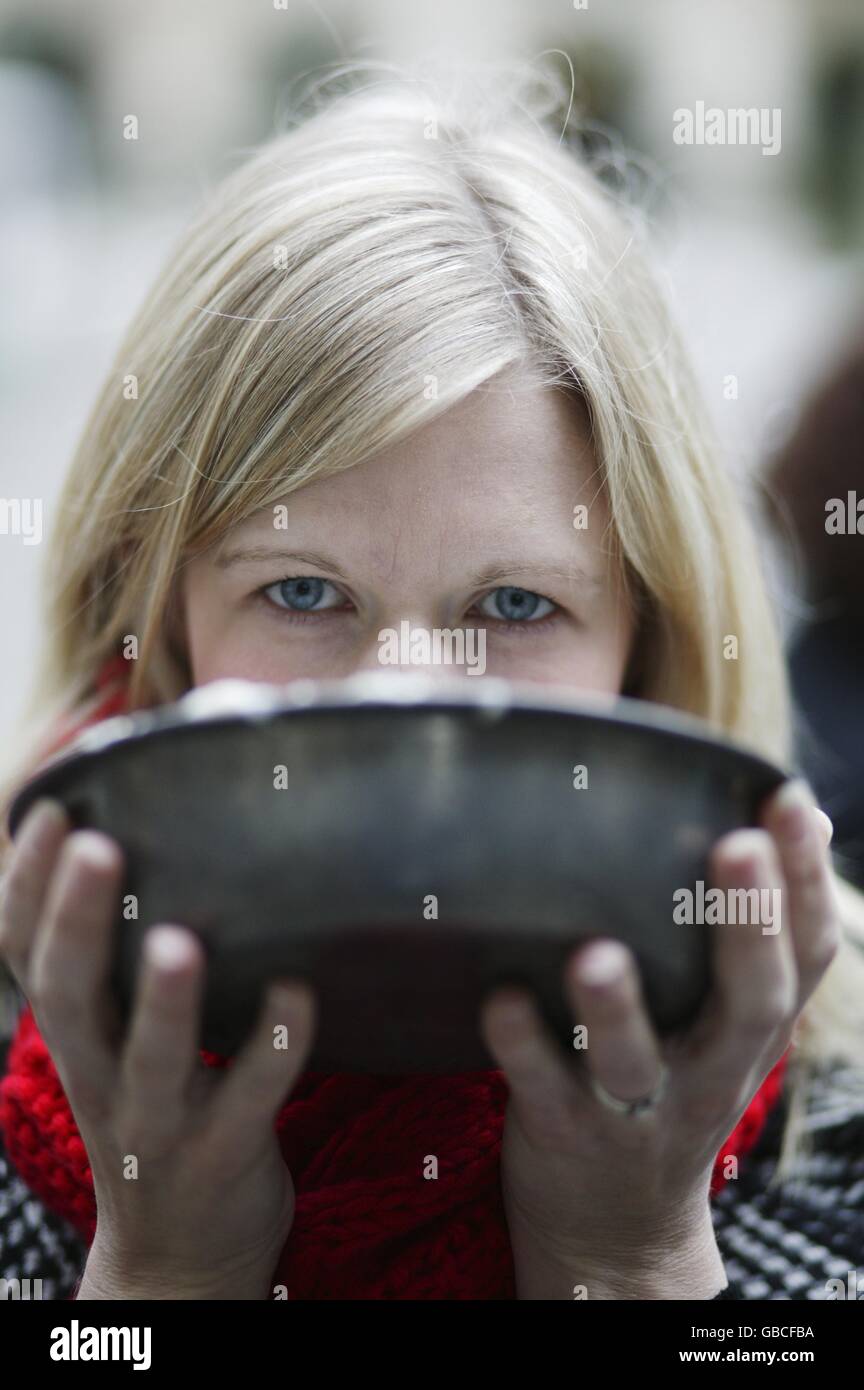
606 1205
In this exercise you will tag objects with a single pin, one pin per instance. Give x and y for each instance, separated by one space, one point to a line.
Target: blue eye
515 605
303 594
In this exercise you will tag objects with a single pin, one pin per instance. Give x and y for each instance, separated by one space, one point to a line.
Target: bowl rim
230 701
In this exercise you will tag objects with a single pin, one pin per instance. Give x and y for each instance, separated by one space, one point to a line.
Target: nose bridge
413 644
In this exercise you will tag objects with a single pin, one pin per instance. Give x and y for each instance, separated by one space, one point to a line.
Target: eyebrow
569 573
267 553
574 573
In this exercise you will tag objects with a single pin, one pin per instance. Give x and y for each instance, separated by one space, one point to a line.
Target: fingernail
288 994
604 965
513 1009
754 861
167 948
96 850
44 815
795 804
826 825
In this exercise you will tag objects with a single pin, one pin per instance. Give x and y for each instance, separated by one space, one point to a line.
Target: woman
409 364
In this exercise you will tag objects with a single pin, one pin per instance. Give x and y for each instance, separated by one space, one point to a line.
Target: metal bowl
406 843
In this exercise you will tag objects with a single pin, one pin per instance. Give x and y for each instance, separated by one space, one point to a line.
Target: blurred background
762 252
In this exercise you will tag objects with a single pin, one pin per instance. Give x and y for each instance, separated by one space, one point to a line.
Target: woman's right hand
194 1199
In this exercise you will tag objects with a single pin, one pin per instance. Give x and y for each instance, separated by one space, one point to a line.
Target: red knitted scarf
368 1225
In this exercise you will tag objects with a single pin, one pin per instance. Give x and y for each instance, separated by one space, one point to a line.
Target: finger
69 964
623 1052
755 984
267 1066
538 1078
160 1054
25 886
793 821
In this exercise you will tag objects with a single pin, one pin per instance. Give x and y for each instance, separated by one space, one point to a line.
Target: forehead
511 454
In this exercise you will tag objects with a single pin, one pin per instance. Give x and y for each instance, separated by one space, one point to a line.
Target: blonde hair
402 243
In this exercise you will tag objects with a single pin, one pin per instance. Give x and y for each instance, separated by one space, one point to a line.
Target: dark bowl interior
406 844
